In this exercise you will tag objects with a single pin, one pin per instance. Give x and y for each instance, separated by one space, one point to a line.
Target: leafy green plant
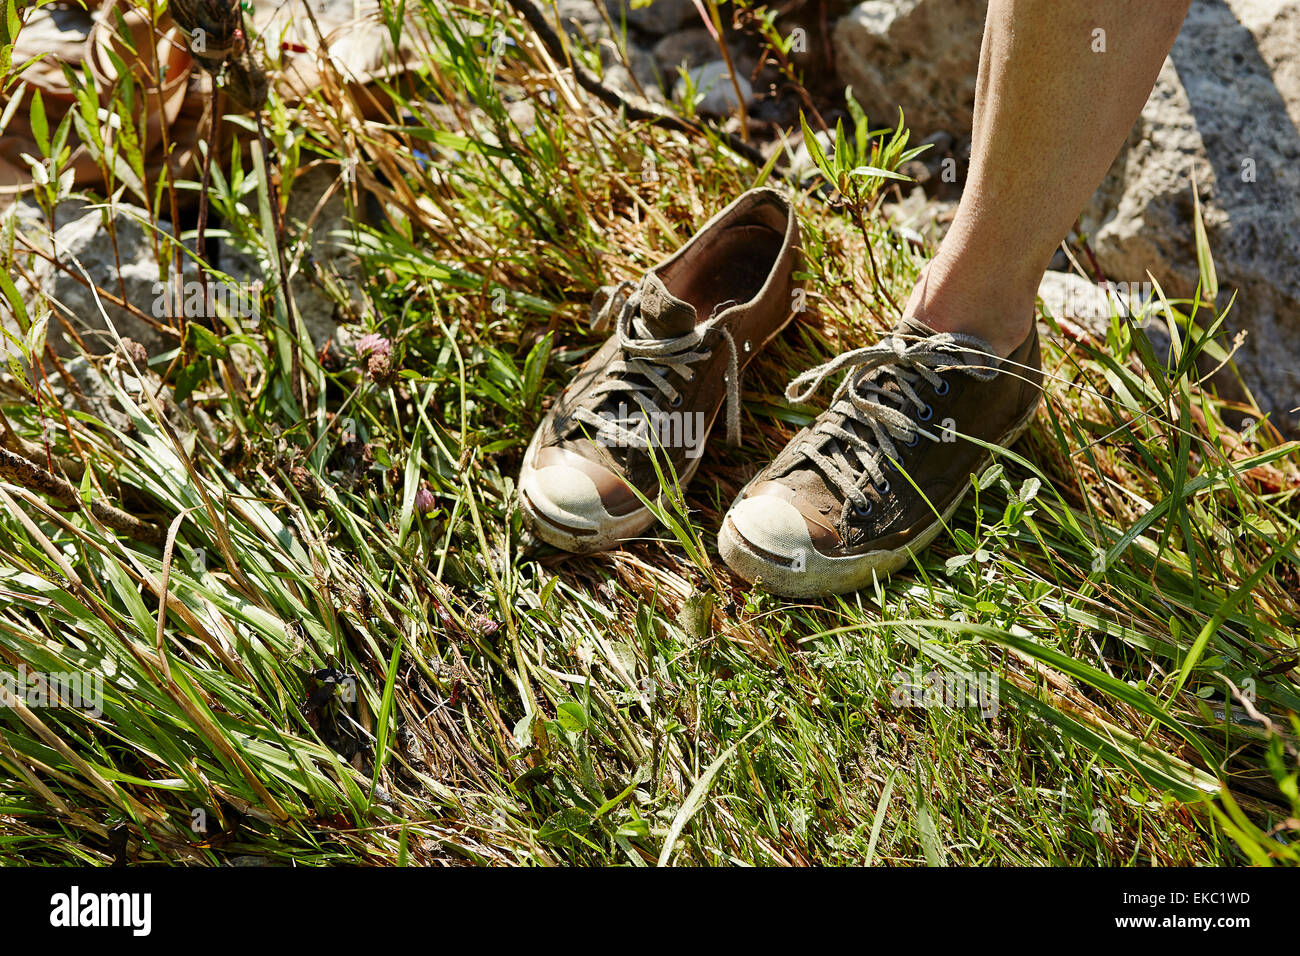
857 169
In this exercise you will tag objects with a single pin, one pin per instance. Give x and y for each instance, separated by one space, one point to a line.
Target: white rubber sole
787 563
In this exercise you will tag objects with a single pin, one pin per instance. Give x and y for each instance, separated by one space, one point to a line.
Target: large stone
327 262
1075 301
643 78
123 264
584 19
691 47
922 55
581 17
1226 107
657 17
714 86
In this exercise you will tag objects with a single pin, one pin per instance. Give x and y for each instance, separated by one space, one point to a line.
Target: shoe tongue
912 331
977 352
664 314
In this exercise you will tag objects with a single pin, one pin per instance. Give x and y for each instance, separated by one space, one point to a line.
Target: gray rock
659 17
582 17
919 217
801 164
1074 300
122 263
713 82
95 380
326 262
691 47
922 55
644 71
1226 106
96 391
271 18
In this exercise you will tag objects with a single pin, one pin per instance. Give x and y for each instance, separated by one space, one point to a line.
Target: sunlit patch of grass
344 677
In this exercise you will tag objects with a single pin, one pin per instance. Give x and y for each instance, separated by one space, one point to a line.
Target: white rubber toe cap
565 495
773 525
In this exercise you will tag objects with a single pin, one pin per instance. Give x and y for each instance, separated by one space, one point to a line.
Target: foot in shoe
682 338
873 479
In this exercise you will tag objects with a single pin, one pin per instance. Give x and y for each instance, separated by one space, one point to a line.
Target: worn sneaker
874 478
682 338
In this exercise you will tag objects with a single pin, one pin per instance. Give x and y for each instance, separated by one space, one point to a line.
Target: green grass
1132 561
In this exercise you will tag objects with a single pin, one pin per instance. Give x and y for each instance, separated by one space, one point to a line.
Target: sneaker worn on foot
682 338
837 506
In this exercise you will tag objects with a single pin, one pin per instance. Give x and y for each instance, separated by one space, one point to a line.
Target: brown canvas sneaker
682 338
837 504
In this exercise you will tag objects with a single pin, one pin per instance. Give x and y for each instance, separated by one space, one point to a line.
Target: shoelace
866 403
652 358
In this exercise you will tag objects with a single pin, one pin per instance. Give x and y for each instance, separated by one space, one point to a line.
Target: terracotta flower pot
58 35
156 56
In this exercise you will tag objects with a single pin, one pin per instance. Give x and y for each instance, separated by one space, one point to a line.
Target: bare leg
1051 112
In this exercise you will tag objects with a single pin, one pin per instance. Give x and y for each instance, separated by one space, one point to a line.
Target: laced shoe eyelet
883 488
925 414
863 512
942 387
914 440
676 402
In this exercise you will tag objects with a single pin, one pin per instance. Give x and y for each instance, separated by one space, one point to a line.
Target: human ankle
1002 314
